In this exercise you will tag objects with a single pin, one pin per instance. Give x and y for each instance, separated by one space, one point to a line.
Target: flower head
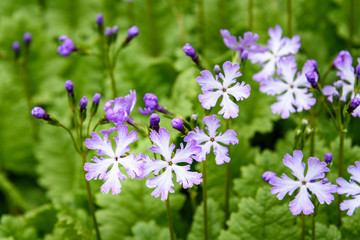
213 89
83 103
67 46
278 47
328 157
213 139
316 170
154 122
27 38
163 183
39 112
96 98
69 86
118 110
350 188
16 48
108 169
99 20
132 32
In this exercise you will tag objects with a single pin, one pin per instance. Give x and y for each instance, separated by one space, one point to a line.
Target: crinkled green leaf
12 227
323 232
149 231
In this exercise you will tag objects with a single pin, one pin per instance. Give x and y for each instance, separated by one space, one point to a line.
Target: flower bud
328 157
39 112
154 122
132 32
190 51
268 175
312 64
355 102
83 103
95 104
96 98
115 29
151 100
108 31
178 124
312 78
100 21
27 38
217 69
16 48
244 56
357 71
69 86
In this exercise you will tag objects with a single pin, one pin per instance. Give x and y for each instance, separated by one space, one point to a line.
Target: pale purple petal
231 71
186 154
229 108
284 106
303 100
208 99
350 205
230 41
152 166
302 203
97 169
322 191
355 171
291 46
273 86
212 124
295 164
316 169
205 149
330 91
163 184
108 131
348 188
198 135
287 69
102 145
229 137
185 177
132 165
283 185
267 71
162 140
208 82
112 180
239 91
123 140
221 154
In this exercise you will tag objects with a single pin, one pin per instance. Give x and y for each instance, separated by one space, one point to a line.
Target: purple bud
313 64
108 31
190 51
244 56
217 69
151 101
154 122
39 112
343 59
178 124
312 78
115 29
132 32
67 46
357 71
328 157
100 20
83 103
96 98
268 175
16 47
69 86
355 102
27 38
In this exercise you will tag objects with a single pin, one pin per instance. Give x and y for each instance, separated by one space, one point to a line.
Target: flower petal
221 154
322 191
97 169
212 124
208 82
185 177
163 184
302 203
208 99
350 205
229 108
103 146
112 180
162 140
186 154
231 71
355 171
348 188
283 185
295 164
239 91
132 165
123 140
229 137
316 169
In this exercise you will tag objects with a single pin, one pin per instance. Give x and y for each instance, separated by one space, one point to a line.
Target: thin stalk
91 201
154 36
340 173
302 216
171 226
88 126
201 22
110 71
228 179
312 139
351 24
313 226
72 137
289 17
205 201
251 15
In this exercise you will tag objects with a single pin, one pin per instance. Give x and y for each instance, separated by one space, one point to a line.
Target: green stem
312 139
351 24
251 15
340 173
201 22
313 226
88 126
91 201
72 137
302 216
289 17
228 179
171 226
110 70
205 201
154 36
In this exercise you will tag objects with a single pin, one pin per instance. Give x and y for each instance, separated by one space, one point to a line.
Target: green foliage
148 231
257 218
323 232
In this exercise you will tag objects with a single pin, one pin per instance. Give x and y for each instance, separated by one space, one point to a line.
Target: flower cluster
67 46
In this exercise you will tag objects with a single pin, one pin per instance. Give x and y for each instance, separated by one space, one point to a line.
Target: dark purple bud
108 31
312 78
328 157
151 101
83 103
357 71
217 69
313 64
154 122
27 38
190 51
115 29
16 48
355 102
244 56
132 32
96 98
100 20
178 124
268 175
69 86
39 112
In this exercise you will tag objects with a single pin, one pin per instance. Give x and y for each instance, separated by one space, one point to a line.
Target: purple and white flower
213 89
213 140
278 47
292 88
316 170
350 188
245 46
179 164
108 169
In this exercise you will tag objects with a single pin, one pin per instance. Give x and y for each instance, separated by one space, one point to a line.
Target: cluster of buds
16 46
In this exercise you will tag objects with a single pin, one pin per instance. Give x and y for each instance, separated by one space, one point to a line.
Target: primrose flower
118 110
163 183
245 46
292 87
278 47
316 170
213 140
67 46
350 188
213 89
99 168
152 104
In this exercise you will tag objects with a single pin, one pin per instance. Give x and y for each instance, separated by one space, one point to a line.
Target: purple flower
292 88
328 157
268 175
245 46
190 51
132 32
163 183
312 78
83 103
212 139
69 86
285 185
99 167
178 124
278 47
154 122
118 110
99 20
354 103
39 112
213 89
350 188
96 98
16 47
67 46
217 69
108 31
27 38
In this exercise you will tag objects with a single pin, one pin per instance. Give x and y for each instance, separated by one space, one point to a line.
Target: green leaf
215 221
350 228
323 232
149 231
15 228
262 218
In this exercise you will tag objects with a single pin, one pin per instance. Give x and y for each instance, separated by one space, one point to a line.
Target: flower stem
289 17
340 173
91 201
312 139
302 216
228 180
205 201
171 226
313 226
